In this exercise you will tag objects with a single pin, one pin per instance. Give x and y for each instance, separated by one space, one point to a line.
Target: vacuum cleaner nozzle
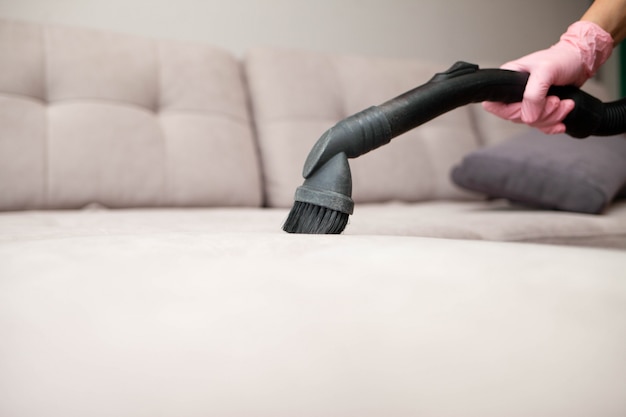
323 203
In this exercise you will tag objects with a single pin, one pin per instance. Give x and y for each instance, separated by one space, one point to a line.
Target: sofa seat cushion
218 312
496 220
298 95
91 116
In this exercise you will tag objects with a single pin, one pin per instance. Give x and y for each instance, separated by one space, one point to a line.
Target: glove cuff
594 44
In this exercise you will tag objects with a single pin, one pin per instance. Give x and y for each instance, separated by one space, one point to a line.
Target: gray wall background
481 31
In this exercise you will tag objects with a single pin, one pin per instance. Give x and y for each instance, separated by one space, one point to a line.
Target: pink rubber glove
573 60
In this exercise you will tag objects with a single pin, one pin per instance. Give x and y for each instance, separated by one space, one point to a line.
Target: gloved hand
573 60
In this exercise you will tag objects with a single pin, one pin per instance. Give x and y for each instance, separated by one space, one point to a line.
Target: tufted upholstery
94 117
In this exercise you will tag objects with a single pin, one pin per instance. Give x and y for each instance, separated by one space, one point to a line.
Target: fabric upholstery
216 312
298 95
496 220
91 116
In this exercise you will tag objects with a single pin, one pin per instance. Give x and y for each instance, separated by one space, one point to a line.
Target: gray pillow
548 171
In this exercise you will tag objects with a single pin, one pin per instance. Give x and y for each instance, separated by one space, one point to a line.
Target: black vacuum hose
461 84
465 83
613 120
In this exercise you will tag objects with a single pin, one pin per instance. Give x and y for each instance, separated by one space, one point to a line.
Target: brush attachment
310 218
323 204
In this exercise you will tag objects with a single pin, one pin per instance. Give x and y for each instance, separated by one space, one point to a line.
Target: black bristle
313 219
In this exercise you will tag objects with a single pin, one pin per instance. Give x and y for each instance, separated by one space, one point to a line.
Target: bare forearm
610 15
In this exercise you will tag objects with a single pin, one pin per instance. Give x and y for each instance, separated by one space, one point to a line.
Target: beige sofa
143 270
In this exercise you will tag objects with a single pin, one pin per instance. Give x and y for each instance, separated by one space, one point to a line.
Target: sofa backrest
89 116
